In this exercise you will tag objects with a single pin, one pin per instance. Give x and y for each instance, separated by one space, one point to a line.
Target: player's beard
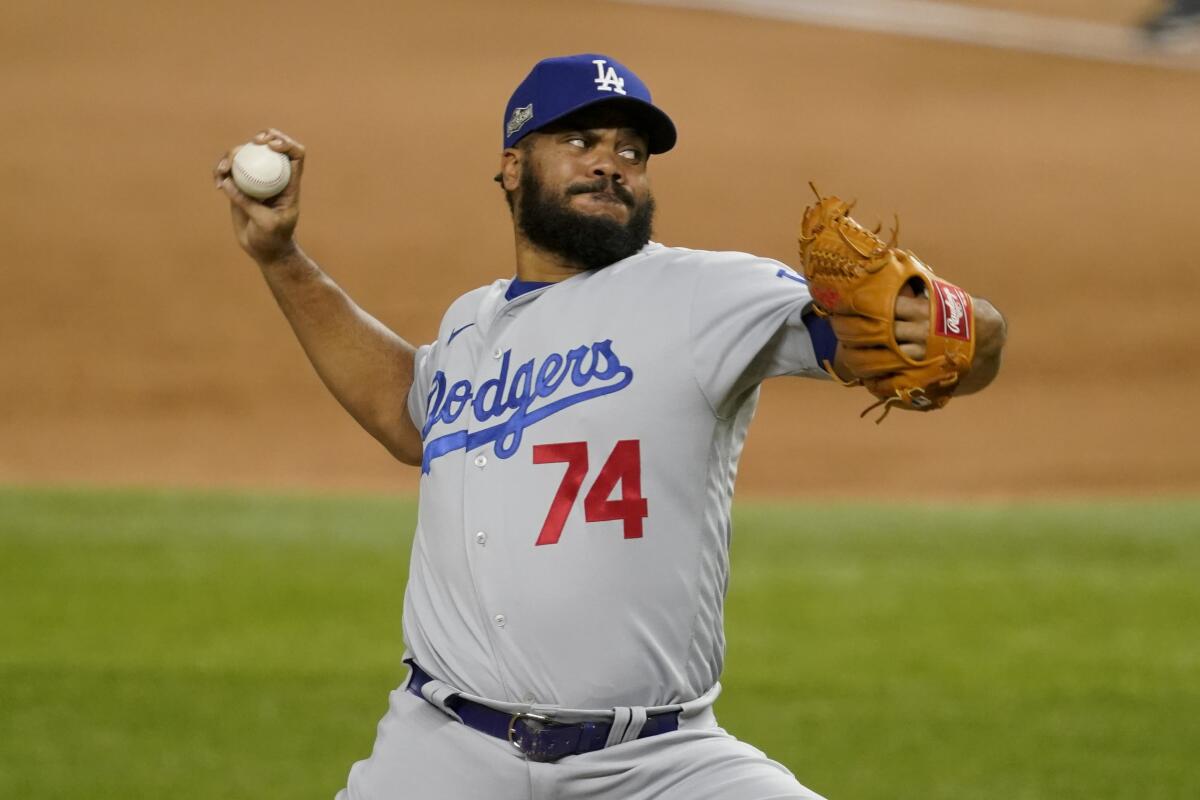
588 240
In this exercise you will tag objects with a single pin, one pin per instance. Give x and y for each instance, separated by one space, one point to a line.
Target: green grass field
191 645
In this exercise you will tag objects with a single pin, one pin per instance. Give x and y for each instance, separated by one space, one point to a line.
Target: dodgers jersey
580 447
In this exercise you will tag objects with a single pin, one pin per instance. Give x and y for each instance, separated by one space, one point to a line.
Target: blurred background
202 558
140 345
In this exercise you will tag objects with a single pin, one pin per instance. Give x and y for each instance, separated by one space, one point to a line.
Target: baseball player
577 428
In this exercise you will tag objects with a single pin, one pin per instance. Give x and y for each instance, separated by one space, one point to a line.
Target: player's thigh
420 752
717 766
705 764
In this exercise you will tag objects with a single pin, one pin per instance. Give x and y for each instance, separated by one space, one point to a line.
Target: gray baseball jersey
580 446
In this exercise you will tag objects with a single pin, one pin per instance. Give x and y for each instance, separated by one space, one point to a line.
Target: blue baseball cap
556 87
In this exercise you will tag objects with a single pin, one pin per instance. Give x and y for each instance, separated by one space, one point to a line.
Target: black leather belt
538 737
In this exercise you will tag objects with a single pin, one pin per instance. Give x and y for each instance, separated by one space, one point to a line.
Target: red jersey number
623 466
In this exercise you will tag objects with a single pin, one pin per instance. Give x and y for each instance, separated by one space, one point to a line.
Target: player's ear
509 176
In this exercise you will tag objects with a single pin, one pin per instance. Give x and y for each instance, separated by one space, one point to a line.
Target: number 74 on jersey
623 466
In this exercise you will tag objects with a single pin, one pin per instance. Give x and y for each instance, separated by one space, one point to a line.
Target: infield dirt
141 347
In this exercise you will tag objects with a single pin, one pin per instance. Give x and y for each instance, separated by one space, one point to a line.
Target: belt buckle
536 723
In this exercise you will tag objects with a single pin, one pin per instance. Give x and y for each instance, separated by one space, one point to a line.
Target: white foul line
928 19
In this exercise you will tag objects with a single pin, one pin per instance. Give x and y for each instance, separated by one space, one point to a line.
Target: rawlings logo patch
952 311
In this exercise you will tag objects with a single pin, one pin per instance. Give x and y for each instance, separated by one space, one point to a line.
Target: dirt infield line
1011 30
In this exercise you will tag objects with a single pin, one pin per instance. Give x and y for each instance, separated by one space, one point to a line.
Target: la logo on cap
558 87
607 80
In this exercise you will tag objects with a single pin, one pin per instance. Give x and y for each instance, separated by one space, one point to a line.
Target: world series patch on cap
556 87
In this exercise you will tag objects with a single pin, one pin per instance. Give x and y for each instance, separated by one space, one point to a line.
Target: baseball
261 172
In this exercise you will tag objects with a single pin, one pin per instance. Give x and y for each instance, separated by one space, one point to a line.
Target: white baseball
261 172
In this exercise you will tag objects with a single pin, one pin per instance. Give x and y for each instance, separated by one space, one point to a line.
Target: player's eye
631 154
577 141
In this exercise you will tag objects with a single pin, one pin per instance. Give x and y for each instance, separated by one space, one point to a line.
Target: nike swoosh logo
457 332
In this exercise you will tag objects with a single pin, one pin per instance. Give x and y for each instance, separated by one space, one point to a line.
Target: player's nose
607 165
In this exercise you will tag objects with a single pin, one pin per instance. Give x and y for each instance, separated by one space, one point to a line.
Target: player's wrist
287 254
991 330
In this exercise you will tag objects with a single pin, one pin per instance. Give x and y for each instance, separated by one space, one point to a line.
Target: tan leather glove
855 278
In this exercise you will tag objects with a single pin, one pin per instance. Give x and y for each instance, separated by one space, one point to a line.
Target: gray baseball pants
422 753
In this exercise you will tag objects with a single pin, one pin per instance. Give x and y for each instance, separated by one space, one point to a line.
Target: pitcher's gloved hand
870 289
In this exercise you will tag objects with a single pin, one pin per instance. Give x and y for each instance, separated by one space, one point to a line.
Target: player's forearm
367 367
991 332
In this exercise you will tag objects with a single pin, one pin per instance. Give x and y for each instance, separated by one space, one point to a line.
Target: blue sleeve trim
820 330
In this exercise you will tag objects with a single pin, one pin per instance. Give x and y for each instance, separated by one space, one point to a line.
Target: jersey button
481 461
481 538
496 353
499 620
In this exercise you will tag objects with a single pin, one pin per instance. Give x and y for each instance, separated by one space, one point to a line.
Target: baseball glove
855 278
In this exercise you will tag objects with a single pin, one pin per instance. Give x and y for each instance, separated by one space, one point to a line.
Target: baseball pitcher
577 428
